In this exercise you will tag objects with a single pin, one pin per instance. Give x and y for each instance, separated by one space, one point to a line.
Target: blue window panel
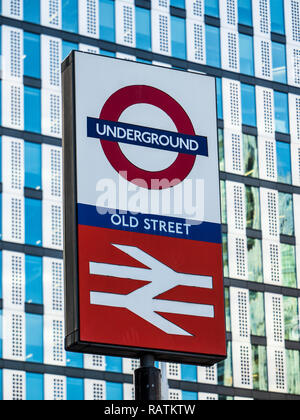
189 396
141 60
279 62
75 389
32 55
212 8
178 41
114 391
113 364
107 20
1 336
33 165
67 48
32 11
69 15
284 162
74 360
1 223
32 109
281 112
1 390
107 53
34 279
33 222
189 373
248 105
213 48
1 288
34 387
34 338
178 3
246 54
143 28
277 16
0 153
245 12
0 93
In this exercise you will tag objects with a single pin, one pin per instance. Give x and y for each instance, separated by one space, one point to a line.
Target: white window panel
175 394
272 262
229 13
130 365
129 392
196 50
13 218
125 56
13 335
267 158
89 48
161 33
160 64
207 375
50 63
94 362
235 196
293 64
295 152
13 280
173 371
51 113
269 214
242 365
88 11
292 21
261 17
240 314
52 172
277 370
51 13
233 148
195 10
54 353
238 258
263 58
53 286
125 23
265 112
274 319
55 387
204 396
163 5
94 390
230 50
294 108
232 104
13 165
12 9
53 225
12 54
15 385
242 399
12 105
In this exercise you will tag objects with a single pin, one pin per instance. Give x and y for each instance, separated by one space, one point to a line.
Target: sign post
143 241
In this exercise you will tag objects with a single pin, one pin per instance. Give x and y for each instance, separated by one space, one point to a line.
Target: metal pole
147 380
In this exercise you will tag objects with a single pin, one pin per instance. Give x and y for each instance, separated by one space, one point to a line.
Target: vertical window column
262 39
125 23
161 27
195 31
51 11
229 35
13 9
89 18
292 24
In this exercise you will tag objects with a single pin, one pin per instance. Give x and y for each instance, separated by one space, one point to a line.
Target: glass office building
253 49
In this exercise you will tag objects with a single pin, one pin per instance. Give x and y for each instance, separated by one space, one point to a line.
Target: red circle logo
139 94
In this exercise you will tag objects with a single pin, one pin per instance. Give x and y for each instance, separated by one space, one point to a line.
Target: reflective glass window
221 149
32 55
1 340
74 359
113 364
212 8
223 202
114 391
143 28
33 165
286 214
246 54
34 338
225 255
34 386
189 373
213 48
293 371
107 20
189 396
255 264
69 15
33 222
75 389
250 156
257 313
67 48
178 37
245 12
279 62
288 263
34 279
253 220
284 171
32 10
219 98
277 16
281 103
260 368
178 3
291 318
248 104
227 309
225 368
32 109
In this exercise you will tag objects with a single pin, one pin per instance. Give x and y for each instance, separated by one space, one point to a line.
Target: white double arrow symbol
142 302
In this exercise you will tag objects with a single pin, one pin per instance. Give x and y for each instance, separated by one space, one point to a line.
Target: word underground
148 137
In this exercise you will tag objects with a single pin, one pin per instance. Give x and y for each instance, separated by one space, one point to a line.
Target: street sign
143 242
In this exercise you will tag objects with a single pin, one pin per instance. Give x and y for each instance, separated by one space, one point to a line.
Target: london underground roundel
143 244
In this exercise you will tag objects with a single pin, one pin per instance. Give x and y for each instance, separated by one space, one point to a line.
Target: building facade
252 47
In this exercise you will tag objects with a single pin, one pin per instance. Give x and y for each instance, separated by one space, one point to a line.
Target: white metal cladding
52 172
173 371
195 10
240 314
12 9
161 5
269 214
13 217
235 196
51 13
232 104
13 105
237 256
230 50
267 158
52 225
295 151
277 369
274 319
265 111
175 394
88 48
204 396
296 200
293 64
53 286
233 149
125 56
13 335
94 362
242 365
94 390
50 62
130 365
272 262
55 387
161 32
88 18
125 23
15 385
229 14
13 281
207 375
54 353
196 47
292 21
12 165
294 115
12 54
261 17
128 392
263 57
51 113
